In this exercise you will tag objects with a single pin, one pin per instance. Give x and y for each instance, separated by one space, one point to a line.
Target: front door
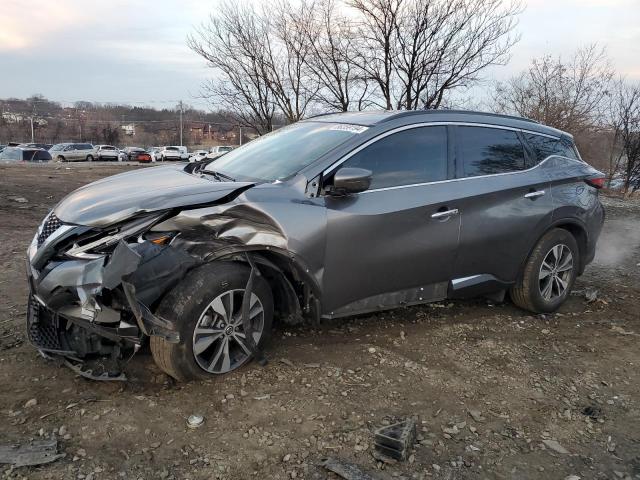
396 242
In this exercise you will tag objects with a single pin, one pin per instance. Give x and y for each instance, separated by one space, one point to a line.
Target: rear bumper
594 225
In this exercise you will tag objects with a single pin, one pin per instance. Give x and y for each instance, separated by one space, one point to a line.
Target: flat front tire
549 273
206 307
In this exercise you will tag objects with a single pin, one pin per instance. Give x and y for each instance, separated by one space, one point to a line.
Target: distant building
129 130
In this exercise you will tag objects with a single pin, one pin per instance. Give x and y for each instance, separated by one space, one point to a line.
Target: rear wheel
207 308
549 273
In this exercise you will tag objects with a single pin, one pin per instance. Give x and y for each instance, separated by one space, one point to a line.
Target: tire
89 158
189 305
60 158
543 289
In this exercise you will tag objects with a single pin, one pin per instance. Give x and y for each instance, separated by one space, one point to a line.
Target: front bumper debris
94 314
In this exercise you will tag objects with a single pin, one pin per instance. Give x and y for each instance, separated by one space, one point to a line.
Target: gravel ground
496 392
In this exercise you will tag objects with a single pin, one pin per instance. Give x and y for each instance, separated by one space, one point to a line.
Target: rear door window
487 151
416 155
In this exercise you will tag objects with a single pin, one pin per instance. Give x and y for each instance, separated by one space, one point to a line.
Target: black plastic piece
395 441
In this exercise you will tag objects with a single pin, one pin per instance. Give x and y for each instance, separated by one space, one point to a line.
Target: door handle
445 214
536 194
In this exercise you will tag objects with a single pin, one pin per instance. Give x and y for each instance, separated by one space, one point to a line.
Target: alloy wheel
555 272
219 339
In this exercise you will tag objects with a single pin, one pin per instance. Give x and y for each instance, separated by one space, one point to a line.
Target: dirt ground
553 397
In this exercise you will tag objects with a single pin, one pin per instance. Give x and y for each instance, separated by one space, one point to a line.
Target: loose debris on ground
496 392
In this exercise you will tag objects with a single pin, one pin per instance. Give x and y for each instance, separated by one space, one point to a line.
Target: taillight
596 182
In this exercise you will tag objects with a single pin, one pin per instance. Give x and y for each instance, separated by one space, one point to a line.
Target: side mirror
351 180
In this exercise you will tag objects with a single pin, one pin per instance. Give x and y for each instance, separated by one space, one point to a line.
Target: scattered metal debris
396 440
195 421
37 452
622 331
591 295
555 446
346 470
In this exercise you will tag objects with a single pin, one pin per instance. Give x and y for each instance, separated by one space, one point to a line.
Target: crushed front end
92 291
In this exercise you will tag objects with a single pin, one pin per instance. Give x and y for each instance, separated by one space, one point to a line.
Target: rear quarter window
542 147
487 151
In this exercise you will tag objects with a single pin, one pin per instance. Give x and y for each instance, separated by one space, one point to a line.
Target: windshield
280 154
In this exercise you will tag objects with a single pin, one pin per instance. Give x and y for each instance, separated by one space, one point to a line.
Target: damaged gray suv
333 216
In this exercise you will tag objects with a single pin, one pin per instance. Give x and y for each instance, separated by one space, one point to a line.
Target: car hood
116 198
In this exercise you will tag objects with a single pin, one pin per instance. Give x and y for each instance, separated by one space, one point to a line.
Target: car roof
375 118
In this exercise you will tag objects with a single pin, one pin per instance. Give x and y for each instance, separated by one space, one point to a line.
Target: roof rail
404 113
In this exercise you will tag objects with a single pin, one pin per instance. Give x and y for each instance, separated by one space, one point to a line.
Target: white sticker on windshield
345 127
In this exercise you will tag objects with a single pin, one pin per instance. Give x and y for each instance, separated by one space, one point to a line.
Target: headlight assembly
95 248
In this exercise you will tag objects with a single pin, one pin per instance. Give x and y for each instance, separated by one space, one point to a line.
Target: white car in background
107 152
154 152
198 155
172 153
218 151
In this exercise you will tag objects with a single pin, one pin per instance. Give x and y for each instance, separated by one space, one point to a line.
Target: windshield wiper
217 175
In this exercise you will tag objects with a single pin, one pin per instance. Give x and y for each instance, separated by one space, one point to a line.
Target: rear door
75 153
395 243
505 204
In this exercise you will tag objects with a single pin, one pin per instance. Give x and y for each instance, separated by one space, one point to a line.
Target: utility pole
32 131
180 122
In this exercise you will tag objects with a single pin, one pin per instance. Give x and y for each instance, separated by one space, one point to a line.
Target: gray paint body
368 251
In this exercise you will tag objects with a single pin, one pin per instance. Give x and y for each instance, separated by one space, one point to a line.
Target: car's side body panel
386 241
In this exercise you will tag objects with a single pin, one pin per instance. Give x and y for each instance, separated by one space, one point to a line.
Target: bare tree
417 51
232 43
260 54
333 42
569 95
625 124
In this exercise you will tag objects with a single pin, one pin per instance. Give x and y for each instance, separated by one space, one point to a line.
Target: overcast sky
133 51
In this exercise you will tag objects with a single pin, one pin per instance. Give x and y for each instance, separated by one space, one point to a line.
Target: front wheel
549 273
89 158
207 309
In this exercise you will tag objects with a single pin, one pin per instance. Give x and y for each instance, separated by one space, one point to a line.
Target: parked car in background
141 157
25 154
330 217
172 153
132 153
154 151
218 151
73 152
45 146
198 155
107 152
122 155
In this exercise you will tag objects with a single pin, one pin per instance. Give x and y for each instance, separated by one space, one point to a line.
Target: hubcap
219 339
555 272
